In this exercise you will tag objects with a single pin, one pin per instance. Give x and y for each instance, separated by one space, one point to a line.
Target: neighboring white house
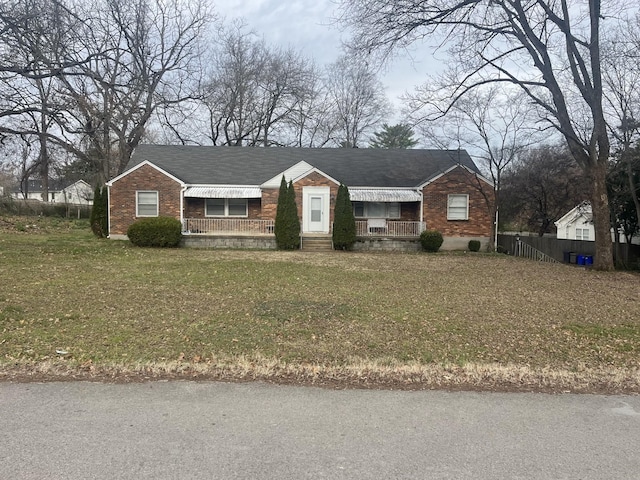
78 193
577 224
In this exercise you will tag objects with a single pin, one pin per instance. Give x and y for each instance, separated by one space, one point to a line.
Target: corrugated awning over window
383 195
223 192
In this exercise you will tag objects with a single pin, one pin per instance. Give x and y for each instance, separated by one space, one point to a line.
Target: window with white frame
582 234
226 207
458 207
147 204
376 209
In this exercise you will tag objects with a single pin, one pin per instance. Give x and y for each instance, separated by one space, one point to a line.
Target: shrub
287 225
98 219
431 240
474 245
344 223
155 232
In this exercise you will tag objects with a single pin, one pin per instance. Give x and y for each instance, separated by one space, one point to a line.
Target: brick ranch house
227 196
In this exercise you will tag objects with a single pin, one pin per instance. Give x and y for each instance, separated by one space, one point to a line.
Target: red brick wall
410 212
314 179
458 181
269 203
270 196
122 197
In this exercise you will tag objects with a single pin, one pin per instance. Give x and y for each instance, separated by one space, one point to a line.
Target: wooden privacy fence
562 250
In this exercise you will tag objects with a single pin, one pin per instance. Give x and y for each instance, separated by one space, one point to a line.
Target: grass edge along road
474 321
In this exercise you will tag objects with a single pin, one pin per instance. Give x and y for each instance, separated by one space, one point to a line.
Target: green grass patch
108 302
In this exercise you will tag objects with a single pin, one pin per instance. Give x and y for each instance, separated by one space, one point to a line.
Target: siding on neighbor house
122 195
457 181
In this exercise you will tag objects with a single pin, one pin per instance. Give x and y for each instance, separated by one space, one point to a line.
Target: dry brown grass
387 320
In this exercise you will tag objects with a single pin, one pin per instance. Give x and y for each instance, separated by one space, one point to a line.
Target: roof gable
576 213
140 165
453 167
297 170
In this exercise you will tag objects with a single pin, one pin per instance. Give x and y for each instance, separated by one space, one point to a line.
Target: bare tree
550 49
151 48
492 122
540 186
357 98
114 63
622 95
36 37
231 94
255 91
312 122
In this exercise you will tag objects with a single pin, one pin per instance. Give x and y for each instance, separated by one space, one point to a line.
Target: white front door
315 214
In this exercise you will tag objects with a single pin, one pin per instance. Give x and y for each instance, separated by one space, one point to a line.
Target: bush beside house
287 223
431 240
155 232
344 224
474 245
99 213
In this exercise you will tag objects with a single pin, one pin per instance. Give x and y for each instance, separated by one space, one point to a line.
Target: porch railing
244 226
227 226
390 229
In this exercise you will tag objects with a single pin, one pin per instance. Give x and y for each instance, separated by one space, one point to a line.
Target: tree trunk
601 217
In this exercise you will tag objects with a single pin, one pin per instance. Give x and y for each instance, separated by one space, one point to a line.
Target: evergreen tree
394 136
98 218
344 223
104 218
287 225
295 220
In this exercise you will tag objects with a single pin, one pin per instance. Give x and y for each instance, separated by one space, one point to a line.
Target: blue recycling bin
580 260
588 259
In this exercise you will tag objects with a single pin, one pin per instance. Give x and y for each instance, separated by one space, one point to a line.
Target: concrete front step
317 244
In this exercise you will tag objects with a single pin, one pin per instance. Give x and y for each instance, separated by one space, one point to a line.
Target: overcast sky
308 25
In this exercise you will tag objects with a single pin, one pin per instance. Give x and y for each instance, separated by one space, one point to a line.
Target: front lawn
410 320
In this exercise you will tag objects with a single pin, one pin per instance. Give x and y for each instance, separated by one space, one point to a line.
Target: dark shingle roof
355 167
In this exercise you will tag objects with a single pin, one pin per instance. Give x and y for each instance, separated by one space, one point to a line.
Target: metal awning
383 195
223 192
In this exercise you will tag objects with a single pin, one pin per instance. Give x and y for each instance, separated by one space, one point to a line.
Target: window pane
394 210
358 209
237 207
215 207
316 209
457 207
147 204
376 210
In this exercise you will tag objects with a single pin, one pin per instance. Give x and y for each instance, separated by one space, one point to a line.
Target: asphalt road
187 430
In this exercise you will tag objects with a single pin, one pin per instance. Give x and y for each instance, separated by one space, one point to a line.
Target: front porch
234 227
227 226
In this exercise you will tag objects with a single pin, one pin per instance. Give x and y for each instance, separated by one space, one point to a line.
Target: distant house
76 193
577 224
227 196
